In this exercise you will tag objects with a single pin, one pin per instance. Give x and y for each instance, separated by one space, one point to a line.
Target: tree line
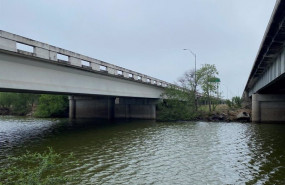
193 88
39 105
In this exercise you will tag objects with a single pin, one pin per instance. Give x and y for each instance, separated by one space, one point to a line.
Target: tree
6 99
236 101
18 103
209 88
181 103
52 106
23 103
177 104
190 81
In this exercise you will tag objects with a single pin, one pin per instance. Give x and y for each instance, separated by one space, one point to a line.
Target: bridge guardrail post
74 61
52 55
125 74
135 76
95 66
110 70
8 44
42 53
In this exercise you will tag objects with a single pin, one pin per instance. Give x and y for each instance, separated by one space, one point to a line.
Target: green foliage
18 103
229 103
37 169
22 103
236 101
190 81
214 102
209 88
52 106
6 99
179 105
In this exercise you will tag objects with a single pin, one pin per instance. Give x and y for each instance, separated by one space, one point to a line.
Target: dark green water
146 152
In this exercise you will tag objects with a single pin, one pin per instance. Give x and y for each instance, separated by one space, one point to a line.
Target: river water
149 152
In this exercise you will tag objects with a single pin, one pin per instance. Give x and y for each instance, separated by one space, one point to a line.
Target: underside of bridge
268 104
266 83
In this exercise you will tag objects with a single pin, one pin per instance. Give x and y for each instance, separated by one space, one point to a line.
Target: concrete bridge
96 89
265 87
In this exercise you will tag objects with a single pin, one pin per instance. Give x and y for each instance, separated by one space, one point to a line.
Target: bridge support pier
110 107
91 107
137 108
268 108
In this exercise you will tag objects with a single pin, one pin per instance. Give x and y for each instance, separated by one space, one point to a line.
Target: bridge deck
9 42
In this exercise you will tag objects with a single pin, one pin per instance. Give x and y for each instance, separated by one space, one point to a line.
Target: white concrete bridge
96 88
266 84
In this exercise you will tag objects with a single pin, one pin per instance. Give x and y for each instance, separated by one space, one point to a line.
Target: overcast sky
148 36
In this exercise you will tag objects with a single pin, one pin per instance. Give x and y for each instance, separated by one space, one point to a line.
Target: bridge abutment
136 108
111 107
268 108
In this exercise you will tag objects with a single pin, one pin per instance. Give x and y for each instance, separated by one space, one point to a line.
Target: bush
229 103
236 101
52 106
37 168
18 103
179 105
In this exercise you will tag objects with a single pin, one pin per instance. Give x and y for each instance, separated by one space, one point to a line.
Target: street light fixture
194 54
195 78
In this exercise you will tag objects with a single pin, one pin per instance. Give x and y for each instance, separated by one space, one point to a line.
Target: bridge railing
10 42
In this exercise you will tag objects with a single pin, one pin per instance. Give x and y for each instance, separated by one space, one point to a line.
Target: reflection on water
146 152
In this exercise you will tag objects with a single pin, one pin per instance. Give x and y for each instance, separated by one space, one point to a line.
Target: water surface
148 152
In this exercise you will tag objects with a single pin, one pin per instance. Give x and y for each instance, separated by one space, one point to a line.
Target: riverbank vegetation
38 105
52 106
17 103
180 102
38 168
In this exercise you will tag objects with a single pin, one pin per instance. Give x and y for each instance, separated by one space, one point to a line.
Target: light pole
195 78
227 90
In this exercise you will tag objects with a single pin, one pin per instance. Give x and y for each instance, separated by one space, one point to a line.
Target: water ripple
143 152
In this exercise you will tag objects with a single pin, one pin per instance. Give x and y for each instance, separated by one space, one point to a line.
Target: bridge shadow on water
19 134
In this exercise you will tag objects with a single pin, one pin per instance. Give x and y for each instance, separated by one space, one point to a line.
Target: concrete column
72 107
268 108
93 107
255 109
111 108
136 108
